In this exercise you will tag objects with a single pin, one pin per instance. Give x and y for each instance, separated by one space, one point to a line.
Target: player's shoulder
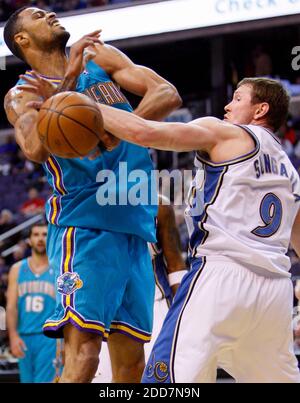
15 103
213 122
15 269
10 96
13 95
105 49
206 121
18 264
110 58
11 92
220 128
8 106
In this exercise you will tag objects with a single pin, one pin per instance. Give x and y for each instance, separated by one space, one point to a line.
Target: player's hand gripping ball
70 125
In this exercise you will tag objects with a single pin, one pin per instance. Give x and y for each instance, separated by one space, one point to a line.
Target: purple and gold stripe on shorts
55 201
74 317
54 209
68 252
129 330
55 170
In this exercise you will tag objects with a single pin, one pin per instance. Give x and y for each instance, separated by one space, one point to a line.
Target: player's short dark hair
272 92
39 224
12 27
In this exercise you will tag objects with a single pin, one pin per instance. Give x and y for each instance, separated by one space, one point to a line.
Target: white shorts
160 311
104 372
226 316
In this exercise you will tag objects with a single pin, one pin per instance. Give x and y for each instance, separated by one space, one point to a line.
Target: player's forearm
28 139
68 83
146 133
158 103
170 242
12 321
124 125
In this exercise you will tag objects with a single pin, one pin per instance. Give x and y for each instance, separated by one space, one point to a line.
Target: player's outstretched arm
24 120
161 135
17 345
219 139
159 96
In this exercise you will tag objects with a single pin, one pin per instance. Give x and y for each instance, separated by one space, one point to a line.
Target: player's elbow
34 152
171 95
176 98
39 156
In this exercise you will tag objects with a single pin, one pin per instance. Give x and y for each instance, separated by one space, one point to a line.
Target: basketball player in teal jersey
104 276
30 301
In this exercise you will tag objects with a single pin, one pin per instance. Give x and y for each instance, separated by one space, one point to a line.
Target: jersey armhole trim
273 135
237 160
54 80
20 268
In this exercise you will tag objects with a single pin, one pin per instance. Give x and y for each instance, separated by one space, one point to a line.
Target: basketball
70 125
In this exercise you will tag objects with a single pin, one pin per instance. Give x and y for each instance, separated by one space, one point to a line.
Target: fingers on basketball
70 125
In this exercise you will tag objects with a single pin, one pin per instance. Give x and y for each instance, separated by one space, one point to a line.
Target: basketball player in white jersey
169 269
233 308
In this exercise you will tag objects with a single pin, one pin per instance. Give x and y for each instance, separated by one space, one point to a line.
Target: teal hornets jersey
78 183
36 299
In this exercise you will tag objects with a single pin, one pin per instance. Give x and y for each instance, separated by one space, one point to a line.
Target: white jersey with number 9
244 209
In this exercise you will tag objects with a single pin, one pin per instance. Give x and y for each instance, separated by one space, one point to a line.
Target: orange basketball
70 125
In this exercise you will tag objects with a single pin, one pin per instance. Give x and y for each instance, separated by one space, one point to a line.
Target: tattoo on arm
10 106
